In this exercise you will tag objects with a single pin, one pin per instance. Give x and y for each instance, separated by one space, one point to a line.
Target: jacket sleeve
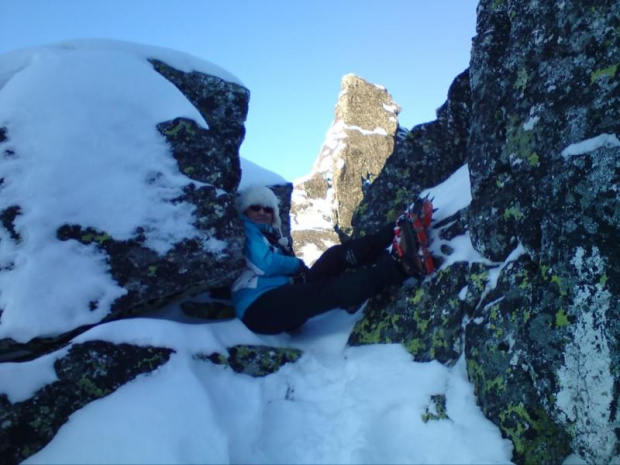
264 260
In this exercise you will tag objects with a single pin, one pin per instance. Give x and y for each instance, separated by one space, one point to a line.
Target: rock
515 339
149 266
255 361
534 93
426 320
437 410
284 193
422 158
89 371
357 145
538 126
544 160
312 217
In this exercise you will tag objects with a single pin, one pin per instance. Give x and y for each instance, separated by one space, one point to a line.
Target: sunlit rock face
356 147
119 194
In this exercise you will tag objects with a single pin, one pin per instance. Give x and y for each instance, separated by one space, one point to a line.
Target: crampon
411 238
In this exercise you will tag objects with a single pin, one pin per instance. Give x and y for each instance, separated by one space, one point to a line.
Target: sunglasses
257 208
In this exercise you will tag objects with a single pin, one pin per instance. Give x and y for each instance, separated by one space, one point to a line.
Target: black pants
328 286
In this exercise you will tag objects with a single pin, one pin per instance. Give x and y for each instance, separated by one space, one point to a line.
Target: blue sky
291 54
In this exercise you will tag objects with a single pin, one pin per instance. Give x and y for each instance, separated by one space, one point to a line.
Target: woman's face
259 214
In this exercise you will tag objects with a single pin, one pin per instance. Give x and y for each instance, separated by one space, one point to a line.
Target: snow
530 123
251 173
337 404
590 145
448 198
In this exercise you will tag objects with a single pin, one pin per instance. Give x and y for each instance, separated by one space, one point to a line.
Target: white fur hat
259 195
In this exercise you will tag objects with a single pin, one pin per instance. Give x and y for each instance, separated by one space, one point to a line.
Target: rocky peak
356 146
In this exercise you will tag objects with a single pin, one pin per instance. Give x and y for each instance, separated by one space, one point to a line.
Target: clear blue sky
291 54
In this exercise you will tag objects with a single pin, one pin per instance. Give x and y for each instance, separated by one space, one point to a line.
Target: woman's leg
288 307
356 252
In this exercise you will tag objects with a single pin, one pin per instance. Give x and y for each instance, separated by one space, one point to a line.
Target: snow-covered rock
119 164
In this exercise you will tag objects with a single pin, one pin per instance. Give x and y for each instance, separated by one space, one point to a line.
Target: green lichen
523 280
561 319
255 361
376 333
438 343
479 280
87 386
531 431
603 280
522 79
555 279
181 126
502 180
519 142
152 271
422 322
98 238
87 238
403 197
513 212
417 298
361 209
188 170
437 411
415 346
609 73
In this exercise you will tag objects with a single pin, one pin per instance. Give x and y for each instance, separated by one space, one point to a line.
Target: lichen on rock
90 371
255 361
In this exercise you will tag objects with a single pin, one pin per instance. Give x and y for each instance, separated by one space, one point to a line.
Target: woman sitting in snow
278 292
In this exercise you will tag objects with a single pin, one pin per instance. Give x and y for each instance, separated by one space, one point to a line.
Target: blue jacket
267 267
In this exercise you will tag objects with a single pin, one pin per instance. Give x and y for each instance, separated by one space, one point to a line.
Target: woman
277 292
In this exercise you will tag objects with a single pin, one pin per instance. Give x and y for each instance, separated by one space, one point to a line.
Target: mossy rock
426 320
90 371
513 345
255 361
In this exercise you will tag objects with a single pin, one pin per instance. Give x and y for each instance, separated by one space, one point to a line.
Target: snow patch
452 195
366 132
393 108
530 123
590 145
